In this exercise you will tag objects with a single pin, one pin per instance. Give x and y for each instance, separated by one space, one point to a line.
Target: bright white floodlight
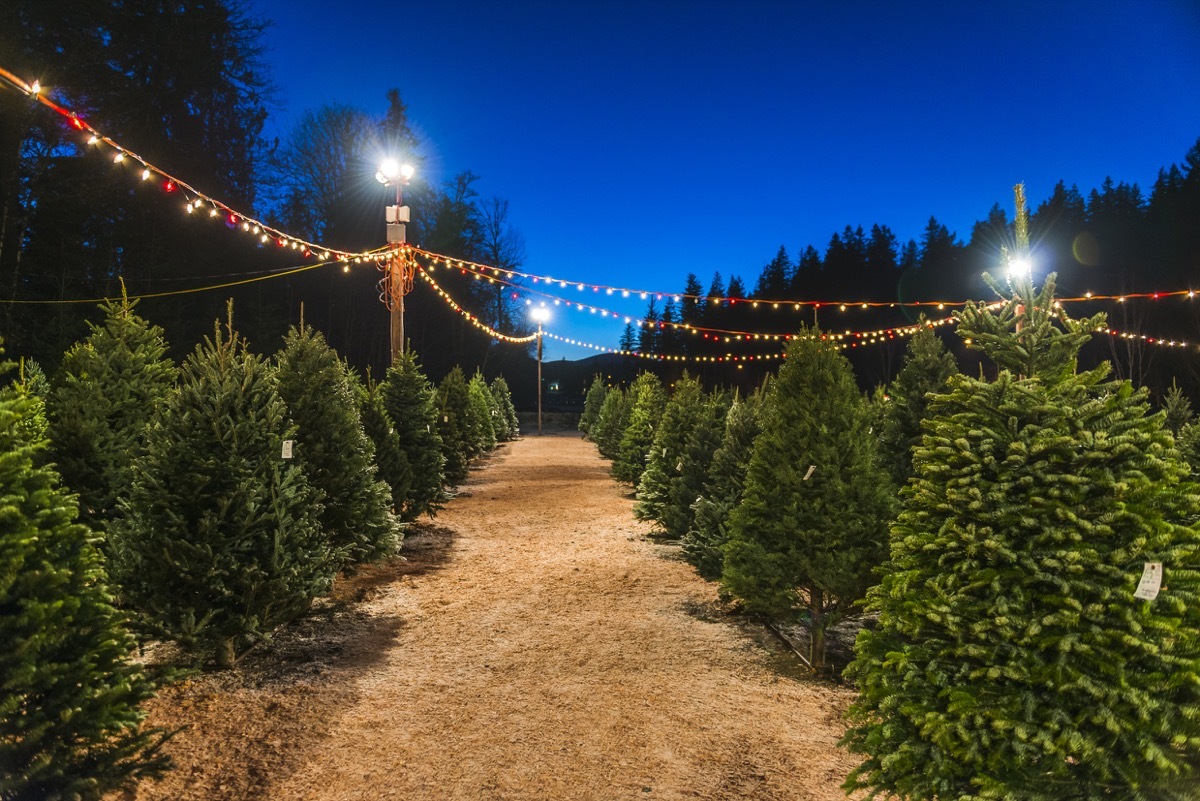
1020 269
540 314
391 169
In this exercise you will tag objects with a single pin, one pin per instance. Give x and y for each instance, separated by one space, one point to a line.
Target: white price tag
1147 588
287 449
812 468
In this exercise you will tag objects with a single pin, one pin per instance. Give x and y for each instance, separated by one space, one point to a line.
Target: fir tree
220 540
33 385
1012 658
702 442
812 524
107 390
334 449
724 482
610 425
681 415
391 462
70 726
1177 408
408 400
453 404
592 404
483 412
648 401
509 426
927 365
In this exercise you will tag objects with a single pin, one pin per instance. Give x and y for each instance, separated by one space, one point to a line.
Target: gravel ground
532 645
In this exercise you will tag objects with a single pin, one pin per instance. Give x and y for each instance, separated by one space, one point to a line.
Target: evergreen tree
927 365
592 405
812 524
391 462
646 410
484 414
32 385
698 451
337 454
408 400
69 692
107 390
724 482
509 427
453 404
629 340
1177 409
1012 658
681 415
220 539
613 419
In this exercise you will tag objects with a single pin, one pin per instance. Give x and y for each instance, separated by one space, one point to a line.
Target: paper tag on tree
1147 588
812 468
287 449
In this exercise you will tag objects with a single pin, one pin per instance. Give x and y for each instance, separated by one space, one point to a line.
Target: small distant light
345 268
36 88
93 139
1020 269
117 159
146 174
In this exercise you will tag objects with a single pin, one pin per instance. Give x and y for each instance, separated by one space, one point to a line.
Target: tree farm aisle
535 645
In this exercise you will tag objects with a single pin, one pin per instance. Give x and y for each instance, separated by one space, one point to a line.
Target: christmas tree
391 462
812 524
408 400
1177 408
31 383
686 487
69 693
335 451
1015 656
508 427
453 404
592 404
724 482
610 425
649 398
106 392
484 413
681 415
927 365
220 540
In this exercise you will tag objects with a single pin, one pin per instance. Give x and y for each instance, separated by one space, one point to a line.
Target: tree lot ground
534 645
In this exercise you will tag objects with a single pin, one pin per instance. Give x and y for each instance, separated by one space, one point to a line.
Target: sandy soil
534 645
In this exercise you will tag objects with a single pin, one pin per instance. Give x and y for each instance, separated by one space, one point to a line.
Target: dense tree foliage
812 524
648 400
612 421
220 540
335 451
69 691
593 402
409 402
508 427
108 388
391 461
1012 658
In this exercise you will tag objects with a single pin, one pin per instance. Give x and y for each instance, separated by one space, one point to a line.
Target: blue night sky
640 141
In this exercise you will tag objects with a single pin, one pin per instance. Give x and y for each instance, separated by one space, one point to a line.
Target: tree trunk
816 608
226 657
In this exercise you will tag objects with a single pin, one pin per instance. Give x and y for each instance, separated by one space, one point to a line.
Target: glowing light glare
391 169
36 88
145 174
1020 269
539 314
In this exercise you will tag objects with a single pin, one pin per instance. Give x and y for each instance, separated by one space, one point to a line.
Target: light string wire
728 334
267 233
468 316
843 305
198 200
194 290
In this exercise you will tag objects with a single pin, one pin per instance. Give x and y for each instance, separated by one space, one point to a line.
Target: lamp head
539 314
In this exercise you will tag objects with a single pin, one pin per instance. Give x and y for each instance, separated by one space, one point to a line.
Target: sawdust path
552 652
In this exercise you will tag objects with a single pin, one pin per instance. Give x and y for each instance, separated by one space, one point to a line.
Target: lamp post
392 173
540 314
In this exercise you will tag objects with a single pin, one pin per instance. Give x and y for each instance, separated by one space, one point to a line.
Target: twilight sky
640 141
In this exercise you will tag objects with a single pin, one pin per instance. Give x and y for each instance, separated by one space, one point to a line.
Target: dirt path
542 650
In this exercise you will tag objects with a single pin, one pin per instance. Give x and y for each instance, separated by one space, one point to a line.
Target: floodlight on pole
540 315
398 281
